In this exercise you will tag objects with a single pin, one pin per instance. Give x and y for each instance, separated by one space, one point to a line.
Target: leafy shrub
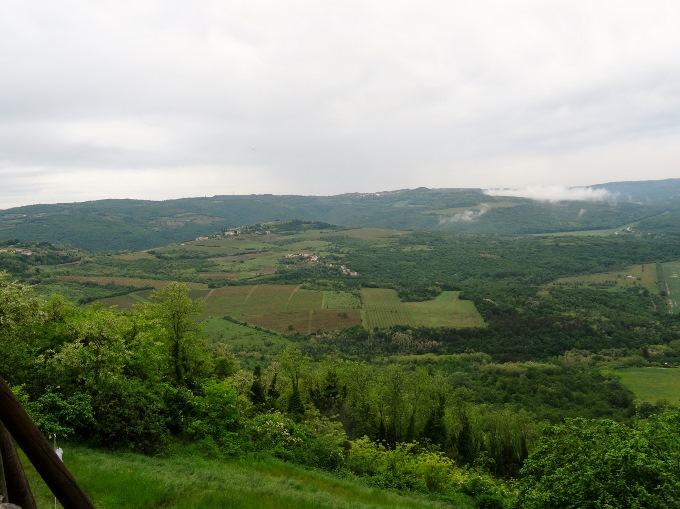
316 442
216 413
603 463
128 414
63 415
410 467
403 467
57 414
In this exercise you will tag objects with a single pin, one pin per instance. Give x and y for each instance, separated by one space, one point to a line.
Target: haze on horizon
166 98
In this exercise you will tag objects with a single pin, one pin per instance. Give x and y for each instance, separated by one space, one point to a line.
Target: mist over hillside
140 224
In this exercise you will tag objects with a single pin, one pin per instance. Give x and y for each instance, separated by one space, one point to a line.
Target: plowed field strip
129 281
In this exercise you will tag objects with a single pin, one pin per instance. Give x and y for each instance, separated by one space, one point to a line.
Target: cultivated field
290 309
671 273
368 233
219 275
653 384
306 245
635 275
283 308
123 301
382 309
227 301
131 257
218 247
447 310
141 297
132 282
341 300
286 309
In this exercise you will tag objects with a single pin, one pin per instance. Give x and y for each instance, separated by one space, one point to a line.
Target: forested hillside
136 224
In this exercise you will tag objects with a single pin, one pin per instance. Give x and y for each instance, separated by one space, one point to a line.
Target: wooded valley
484 367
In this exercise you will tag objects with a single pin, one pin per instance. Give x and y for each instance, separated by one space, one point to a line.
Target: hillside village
313 258
25 252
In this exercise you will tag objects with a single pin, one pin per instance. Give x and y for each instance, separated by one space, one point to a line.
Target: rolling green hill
139 224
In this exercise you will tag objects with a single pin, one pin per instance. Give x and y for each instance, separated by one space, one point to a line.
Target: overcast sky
164 99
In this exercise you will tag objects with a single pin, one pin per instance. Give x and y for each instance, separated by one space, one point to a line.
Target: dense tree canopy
604 463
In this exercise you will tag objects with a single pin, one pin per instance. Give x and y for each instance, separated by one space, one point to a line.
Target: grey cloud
353 96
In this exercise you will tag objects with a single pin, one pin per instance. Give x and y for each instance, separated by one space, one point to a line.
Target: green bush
62 415
404 467
316 442
411 467
56 414
129 415
216 413
603 463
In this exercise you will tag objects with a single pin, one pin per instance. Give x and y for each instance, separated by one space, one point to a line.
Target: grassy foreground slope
117 480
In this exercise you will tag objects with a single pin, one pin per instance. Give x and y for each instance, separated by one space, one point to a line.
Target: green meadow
643 275
652 384
383 309
447 310
252 346
132 481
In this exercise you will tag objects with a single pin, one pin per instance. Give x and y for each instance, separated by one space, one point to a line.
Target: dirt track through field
671 286
285 308
245 301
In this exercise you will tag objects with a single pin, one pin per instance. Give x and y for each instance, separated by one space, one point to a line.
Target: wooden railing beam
39 452
18 489
3 484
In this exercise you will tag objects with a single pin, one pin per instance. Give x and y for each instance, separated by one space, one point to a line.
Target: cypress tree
273 393
435 427
465 444
295 405
257 394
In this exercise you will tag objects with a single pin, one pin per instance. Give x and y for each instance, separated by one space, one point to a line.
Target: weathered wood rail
15 422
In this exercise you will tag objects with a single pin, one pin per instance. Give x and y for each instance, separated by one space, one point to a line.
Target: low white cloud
554 194
466 216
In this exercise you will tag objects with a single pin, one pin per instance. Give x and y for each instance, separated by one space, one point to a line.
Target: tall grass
125 480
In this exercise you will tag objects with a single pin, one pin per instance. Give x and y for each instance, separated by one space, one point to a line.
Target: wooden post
18 490
3 484
39 451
